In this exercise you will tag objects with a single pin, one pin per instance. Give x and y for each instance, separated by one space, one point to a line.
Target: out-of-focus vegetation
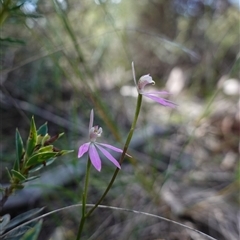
60 59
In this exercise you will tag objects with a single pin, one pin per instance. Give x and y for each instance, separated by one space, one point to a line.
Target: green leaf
45 138
43 130
9 174
32 139
18 175
39 158
64 152
33 233
31 178
19 150
23 217
5 219
11 41
40 166
48 148
17 233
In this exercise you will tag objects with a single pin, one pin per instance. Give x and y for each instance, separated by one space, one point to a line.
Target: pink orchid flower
92 147
146 80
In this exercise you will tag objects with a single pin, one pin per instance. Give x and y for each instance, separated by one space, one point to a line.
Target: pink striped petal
113 148
162 101
108 155
94 157
158 92
83 149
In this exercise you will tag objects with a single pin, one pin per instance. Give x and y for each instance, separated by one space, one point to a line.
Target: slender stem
128 140
84 199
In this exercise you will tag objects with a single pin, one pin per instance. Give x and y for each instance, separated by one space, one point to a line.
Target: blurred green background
60 59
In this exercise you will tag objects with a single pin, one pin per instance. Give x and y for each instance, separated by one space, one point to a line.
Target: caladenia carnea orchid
93 146
94 132
147 80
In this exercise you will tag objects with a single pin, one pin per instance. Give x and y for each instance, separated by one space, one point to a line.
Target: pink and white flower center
143 81
94 133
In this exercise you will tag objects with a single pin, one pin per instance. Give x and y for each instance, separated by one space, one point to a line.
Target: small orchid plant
92 146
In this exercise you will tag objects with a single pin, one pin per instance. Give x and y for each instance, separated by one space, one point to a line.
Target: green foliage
18 175
4 221
67 57
19 150
43 130
11 41
32 140
39 158
32 233
12 229
40 152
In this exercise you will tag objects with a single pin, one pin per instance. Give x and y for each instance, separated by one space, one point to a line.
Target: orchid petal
134 75
162 101
108 156
91 120
113 148
94 157
83 149
157 92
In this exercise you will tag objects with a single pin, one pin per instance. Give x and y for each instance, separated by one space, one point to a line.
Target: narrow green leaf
18 175
64 152
43 130
5 219
60 134
33 233
39 158
31 178
24 217
17 233
9 175
44 139
11 41
48 148
19 150
40 166
32 139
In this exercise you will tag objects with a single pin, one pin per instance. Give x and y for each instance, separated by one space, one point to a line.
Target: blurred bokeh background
60 59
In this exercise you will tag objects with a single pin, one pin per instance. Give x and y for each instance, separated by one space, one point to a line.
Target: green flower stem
129 137
84 199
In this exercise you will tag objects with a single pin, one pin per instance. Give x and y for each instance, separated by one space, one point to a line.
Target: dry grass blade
118 209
